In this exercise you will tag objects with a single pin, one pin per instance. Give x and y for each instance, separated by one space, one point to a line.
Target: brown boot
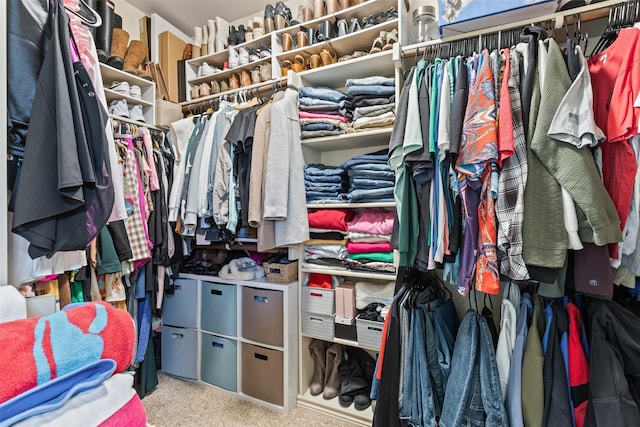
144 73
234 81
245 78
318 351
119 42
135 57
332 375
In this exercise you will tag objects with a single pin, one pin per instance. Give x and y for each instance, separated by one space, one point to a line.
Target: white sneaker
135 113
118 107
243 56
206 70
135 92
120 87
234 58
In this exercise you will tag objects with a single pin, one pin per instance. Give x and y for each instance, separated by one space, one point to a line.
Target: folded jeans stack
373 102
324 184
322 112
370 178
369 248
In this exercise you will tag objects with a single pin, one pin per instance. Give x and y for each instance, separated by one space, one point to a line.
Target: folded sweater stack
328 229
369 247
373 102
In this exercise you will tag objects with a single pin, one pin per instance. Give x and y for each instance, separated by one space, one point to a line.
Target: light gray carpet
181 403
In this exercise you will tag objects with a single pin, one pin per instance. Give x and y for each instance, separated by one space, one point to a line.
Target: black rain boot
242 31
104 31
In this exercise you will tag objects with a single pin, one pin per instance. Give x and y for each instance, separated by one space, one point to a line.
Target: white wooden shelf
113 95
350 205
333 407
219 58
367 138
225 74
308 268
231 91
137 123
342 341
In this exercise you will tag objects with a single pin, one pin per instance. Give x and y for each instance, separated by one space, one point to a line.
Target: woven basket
281 273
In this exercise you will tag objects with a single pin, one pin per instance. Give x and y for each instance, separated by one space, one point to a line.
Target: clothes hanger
87 15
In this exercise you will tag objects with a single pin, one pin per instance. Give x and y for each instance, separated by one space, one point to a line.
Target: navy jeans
367 184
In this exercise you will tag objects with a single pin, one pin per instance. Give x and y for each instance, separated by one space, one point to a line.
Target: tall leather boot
120 41
318 351
104 32
332 375
93 4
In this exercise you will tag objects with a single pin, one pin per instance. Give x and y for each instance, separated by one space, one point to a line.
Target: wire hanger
86 14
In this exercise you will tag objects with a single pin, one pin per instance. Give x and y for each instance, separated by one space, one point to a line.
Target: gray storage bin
179 352
180 308
218 309
318 300
219 361
369 332
262 312
263 373
318 325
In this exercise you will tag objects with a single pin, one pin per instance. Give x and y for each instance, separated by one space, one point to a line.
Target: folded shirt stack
329 226
322 112
324 184
373 102
369 249
370 178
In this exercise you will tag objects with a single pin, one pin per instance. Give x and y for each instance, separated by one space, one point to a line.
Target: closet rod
587 13
206 102
140 124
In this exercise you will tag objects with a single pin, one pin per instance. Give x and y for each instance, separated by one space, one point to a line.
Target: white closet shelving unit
147 89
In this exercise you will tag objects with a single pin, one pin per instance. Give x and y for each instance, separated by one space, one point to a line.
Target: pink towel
360 247
306 115
374 221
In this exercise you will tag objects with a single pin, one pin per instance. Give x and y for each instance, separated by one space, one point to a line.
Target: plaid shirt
136 229
511 184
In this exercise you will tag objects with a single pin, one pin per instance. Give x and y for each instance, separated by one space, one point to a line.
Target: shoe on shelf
136 54
233 36
287 42
331 6
242 34
302 38
257 26
195 91
343 30
265 72
135 113
254 54
282 16
119 43
197 42
285 67
328 56
299 64
243 56
326 30
318 9
234 57
215 87
234 81
255 75
355 54
222 34
265 50
120 87
269 19
378 43
245 78
248 35
206 70
344 4
135 92
211 41
118 107
315 61
391 38
354 25
205 89
204 47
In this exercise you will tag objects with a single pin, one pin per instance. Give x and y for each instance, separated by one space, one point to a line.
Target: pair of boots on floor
341 371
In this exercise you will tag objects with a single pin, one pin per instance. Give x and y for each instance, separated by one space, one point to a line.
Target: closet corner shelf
341 341
232 91
225 74
357 11
350 205
345 45
335 75
113 95
219 58
307 268
333 407
110 75
364 139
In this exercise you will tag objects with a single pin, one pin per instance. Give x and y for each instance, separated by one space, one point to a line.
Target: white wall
130 18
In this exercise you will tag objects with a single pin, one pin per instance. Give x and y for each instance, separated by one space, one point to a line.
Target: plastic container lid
424 10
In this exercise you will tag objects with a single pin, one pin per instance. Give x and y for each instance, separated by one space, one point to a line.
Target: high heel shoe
285 67
282 16
342 28
328 56
315 61
331 6
318 9
287 42
269 19
354 25
299 64
302 38
234 81
391 38
265 50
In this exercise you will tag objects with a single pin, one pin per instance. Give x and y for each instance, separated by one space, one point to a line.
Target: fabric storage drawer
263 373
318 325
179 351
262 312
318 300
369 332
180 307
219 361
218 308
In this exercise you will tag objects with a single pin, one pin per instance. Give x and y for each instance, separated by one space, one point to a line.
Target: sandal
356 54
392 37
378 44
328 56
287 42
315 61
285 67
299 64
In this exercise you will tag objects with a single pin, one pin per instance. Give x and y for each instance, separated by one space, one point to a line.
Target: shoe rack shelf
361 139
225 74
238 336
309 268
147 90
333 407
345 45
219 58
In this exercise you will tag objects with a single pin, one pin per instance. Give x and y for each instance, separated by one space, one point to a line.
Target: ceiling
186 14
